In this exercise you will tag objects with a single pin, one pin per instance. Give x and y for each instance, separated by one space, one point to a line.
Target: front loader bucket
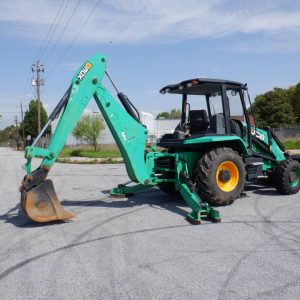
41 204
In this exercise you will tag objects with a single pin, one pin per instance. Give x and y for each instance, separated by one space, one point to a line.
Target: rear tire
287 177
220 176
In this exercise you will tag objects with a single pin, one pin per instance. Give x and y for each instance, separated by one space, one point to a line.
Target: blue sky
149 44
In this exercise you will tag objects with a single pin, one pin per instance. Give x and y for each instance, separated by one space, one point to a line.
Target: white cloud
282 42
70 66
136 21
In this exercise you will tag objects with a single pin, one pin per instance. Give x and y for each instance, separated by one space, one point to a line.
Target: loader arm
129 134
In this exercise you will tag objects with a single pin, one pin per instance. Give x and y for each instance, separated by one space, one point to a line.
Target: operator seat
217 124
236 127
198 121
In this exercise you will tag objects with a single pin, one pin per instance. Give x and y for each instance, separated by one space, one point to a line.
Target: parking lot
142 247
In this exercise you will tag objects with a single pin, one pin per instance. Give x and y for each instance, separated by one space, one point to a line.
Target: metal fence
288 133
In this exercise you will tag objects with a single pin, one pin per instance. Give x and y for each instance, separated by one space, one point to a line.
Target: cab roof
200 86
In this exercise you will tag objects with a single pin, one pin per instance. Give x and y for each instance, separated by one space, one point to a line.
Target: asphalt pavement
142 247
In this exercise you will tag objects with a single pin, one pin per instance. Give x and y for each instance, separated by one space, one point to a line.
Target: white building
156 128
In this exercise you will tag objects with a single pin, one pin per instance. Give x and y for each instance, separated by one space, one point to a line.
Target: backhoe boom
128 133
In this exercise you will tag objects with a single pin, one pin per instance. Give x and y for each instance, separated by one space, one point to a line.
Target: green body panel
192 159
275 149
262 135
31 152
227 140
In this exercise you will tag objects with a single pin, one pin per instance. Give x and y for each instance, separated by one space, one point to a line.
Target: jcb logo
257 134
84 70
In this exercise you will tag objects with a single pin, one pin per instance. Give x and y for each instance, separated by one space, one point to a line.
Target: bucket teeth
41 204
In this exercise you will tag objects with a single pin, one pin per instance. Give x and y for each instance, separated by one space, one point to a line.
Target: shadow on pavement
262 186
16 217
152 197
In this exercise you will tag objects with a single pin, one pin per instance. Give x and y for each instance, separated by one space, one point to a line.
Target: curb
88 160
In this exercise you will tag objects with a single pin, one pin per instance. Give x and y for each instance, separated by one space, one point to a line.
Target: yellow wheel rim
227 176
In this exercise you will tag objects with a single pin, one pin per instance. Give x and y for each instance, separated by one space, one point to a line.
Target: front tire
220 176
287 177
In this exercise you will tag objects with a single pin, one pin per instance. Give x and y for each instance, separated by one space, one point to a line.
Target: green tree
7 134
89 128
163 115
274 109
294 94
31 119
173 114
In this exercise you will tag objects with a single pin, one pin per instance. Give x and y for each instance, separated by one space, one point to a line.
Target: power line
80 30
51 30
40 49
107 44
63 31
127 25
75 37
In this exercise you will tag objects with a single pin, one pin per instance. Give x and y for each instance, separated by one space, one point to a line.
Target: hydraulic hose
54 114
129 107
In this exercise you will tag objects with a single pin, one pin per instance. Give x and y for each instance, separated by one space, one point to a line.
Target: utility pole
38 82
16 120
22 118
17 133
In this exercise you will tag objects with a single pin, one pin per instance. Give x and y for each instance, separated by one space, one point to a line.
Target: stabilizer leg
200 209
123 190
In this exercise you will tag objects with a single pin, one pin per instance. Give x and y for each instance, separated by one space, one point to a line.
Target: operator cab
209 107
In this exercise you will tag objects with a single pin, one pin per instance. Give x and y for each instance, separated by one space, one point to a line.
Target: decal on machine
84 70
258 135
124 136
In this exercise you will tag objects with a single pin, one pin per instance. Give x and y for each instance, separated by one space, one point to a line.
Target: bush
76 152
292 144
104 151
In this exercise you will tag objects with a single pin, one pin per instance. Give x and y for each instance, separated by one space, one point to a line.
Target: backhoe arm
129 134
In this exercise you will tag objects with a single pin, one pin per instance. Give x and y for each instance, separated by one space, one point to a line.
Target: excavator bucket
41 204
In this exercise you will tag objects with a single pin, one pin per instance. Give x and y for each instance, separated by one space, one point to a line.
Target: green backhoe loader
214 149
